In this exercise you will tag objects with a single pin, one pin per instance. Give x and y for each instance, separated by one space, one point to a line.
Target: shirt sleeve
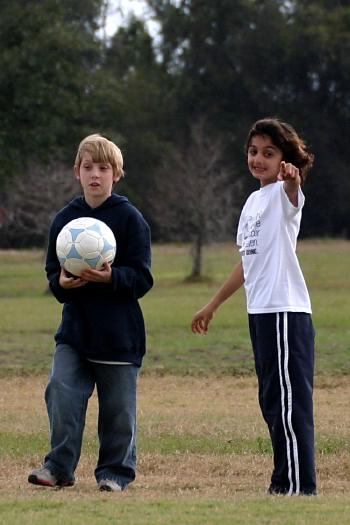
289 209
239 237
132 278
53 269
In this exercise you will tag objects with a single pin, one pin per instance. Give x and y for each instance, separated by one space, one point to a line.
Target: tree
240 61
234 62
133 95
49 54
195 193
34 199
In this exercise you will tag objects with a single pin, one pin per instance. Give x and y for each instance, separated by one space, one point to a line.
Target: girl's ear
76 172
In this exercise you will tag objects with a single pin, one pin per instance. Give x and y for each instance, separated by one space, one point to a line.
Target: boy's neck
95 202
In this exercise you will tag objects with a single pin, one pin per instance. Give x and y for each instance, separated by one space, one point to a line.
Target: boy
101 339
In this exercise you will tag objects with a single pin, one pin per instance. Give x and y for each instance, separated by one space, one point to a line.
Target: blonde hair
101 150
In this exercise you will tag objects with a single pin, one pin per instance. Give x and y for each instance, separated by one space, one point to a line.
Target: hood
80 203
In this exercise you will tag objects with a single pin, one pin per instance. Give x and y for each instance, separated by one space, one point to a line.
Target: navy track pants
283 345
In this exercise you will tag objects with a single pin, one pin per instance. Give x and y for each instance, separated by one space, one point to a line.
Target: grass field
204 452
29 316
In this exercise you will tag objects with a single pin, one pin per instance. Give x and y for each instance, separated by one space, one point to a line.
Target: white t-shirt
267 235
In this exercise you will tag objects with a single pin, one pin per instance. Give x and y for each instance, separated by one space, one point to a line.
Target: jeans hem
59 474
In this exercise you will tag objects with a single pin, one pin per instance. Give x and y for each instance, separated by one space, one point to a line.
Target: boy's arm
61 285
202 318
132 278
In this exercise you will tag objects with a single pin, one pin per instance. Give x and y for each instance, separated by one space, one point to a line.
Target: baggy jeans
72 382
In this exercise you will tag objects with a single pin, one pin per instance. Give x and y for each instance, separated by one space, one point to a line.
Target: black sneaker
283 491
277 490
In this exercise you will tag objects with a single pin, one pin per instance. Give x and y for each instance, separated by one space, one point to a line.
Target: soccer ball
85 243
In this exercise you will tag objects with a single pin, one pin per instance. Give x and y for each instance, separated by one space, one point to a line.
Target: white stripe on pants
286 403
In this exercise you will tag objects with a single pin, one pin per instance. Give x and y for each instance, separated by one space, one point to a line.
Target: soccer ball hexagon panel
85 243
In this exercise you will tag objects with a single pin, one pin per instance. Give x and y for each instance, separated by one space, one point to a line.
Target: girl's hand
289 173
98 276
68 282
201 320
291 177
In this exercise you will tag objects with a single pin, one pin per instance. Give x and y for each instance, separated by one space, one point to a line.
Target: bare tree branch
32 202
194 197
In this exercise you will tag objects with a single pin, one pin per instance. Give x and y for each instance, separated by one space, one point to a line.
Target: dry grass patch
217 408
332 406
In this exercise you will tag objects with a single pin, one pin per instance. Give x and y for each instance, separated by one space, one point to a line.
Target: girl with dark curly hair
278 302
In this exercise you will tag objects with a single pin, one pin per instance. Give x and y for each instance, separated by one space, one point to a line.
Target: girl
278 303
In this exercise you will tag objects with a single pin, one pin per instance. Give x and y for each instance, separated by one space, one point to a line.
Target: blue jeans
71 384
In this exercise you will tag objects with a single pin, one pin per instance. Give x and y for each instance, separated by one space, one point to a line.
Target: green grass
29 316
20 445
190 513
28 319
256 511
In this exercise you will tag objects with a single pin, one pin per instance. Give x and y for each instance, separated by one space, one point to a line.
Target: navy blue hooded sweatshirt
105 321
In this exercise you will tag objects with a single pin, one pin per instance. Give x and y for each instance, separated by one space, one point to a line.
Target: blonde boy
101 339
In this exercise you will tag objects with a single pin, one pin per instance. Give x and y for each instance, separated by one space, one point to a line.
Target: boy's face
264 159
96 178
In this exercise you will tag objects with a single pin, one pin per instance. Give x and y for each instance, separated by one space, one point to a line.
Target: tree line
178 103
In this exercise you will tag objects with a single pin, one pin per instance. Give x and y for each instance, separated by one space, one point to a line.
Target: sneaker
276 490
109 485
308 492
43 476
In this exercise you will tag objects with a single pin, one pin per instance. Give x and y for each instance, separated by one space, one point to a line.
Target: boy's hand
98 276
68 282
201 320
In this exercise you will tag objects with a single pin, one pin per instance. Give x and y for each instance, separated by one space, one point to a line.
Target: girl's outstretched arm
291 177
203 317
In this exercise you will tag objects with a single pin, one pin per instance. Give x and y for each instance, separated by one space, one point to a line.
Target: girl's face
264 159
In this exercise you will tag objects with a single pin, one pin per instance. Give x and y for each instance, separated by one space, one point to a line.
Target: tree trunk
197 257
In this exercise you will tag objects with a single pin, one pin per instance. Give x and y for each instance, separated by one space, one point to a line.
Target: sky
119 10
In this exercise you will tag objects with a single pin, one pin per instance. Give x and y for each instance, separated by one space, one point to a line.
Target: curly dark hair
285 137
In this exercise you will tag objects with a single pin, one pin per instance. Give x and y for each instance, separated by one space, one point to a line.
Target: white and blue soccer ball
85 243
